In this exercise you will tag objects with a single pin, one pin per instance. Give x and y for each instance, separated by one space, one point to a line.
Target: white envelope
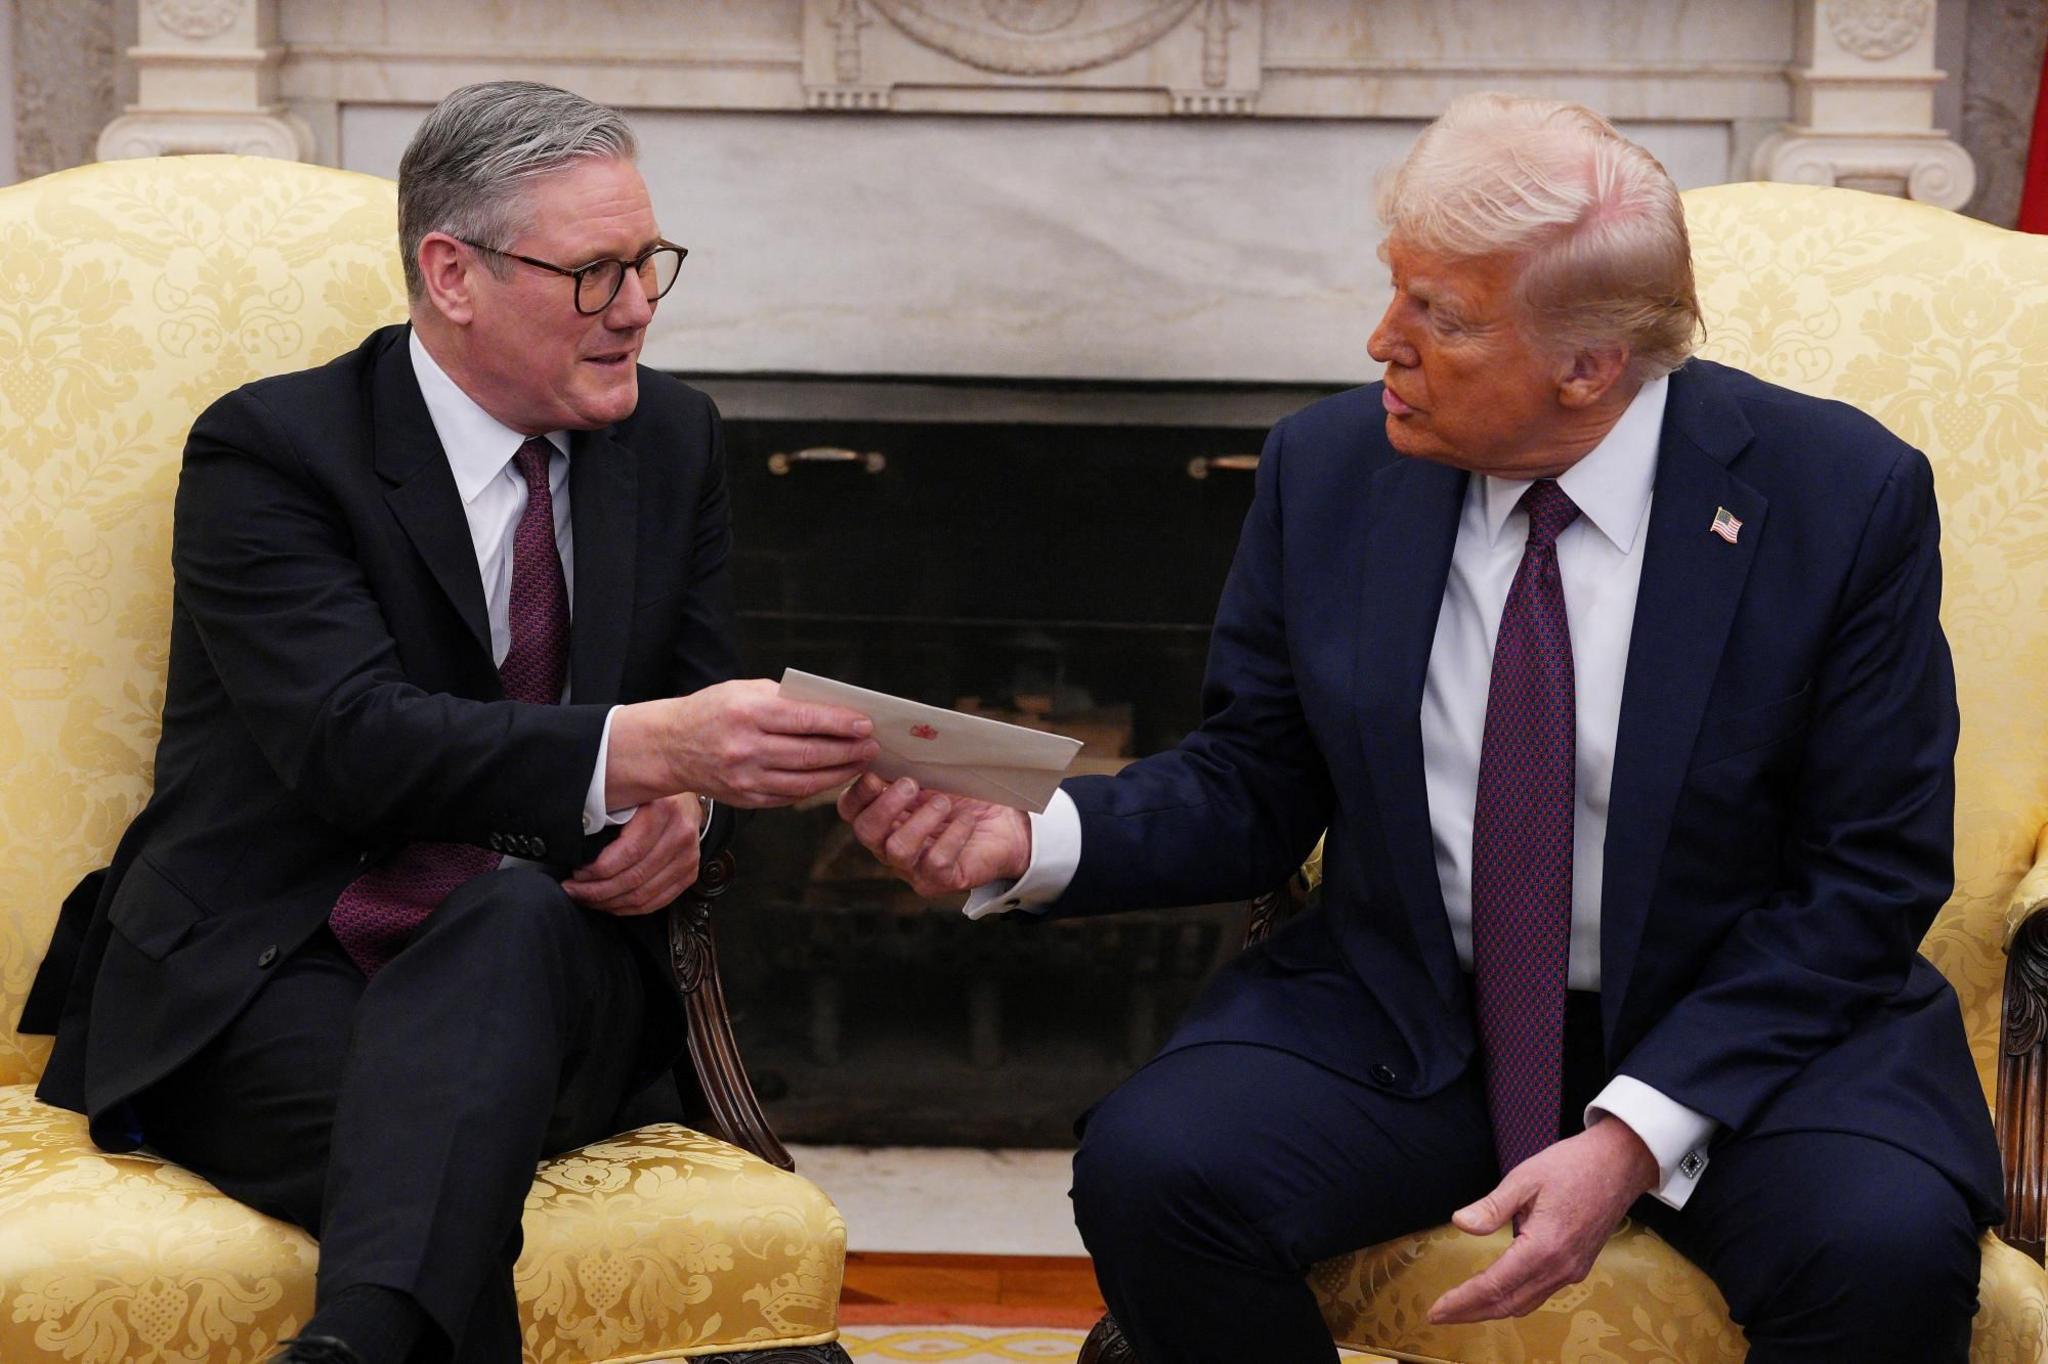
947 750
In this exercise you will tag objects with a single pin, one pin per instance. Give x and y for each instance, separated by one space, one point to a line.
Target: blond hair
1594 220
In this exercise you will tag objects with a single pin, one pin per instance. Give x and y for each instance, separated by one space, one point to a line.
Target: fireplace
1047 554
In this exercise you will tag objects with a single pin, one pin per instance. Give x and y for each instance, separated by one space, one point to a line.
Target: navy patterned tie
381 909
1522 844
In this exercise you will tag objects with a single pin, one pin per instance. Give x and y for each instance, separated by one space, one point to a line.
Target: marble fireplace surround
1126 190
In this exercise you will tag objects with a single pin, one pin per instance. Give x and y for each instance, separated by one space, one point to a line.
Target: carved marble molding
1878 29
1198 57
1929 168
1863 86
206 81
197 19
277 133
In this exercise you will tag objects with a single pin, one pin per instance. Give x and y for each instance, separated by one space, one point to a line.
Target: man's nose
630 308
1387 344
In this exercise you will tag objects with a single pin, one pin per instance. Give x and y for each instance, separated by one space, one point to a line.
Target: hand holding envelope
946 750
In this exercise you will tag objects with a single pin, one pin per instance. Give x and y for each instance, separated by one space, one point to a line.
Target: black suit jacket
331 694
1780 825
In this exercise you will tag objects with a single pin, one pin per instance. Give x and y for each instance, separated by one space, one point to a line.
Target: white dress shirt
493 491
1600 558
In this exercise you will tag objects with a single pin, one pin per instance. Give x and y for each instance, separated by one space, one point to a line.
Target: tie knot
532 459
1550 511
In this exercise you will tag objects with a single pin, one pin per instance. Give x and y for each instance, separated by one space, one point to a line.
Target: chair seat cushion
657 1241
1643 1303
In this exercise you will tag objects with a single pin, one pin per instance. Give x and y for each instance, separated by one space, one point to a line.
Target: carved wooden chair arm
735 1110
2022 1111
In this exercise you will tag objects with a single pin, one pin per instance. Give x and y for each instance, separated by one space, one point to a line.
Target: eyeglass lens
598 284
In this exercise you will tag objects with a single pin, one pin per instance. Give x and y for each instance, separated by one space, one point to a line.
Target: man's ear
1591 375
448 269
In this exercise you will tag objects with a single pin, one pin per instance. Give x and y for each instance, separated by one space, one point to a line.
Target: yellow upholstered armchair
131 295
1938 326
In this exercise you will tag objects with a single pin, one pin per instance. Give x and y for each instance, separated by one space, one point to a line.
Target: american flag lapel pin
1726 525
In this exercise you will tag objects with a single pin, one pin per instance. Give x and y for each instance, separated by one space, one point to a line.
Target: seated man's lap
1254 1154
1813 1234
254 1111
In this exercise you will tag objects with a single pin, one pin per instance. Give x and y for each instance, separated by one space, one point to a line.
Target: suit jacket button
1382 1074
268 957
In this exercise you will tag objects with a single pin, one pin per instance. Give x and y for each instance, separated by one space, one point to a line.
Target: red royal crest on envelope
923 732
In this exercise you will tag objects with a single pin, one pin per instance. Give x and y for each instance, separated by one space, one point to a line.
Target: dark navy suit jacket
1781 823
331 696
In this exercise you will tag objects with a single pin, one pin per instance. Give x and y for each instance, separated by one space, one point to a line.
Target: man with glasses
448 713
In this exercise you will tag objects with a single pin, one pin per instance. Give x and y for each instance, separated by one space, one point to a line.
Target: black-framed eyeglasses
599 282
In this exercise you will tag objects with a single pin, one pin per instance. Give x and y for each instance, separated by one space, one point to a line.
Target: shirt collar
1611 484
478 445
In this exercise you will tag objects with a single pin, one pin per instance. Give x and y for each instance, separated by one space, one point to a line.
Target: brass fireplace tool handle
1200 466
781 462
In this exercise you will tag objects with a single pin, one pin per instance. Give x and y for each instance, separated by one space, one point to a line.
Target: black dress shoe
315 1350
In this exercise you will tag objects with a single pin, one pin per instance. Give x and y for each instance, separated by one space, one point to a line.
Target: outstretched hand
940 844
737 742
1568 1199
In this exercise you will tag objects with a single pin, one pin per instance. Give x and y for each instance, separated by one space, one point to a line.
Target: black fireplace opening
1047 556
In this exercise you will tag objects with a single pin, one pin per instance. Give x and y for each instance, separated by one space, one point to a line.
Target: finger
664 883
861 794
903 847
637 837
1492 1212
782 753
777 716
767 789
1488 1294
944 853
883 813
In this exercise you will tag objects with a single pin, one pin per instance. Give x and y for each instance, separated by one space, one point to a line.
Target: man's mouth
611 358
1392 402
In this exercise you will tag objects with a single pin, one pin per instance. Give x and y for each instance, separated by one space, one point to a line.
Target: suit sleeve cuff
1055 852
595 816
1676 1135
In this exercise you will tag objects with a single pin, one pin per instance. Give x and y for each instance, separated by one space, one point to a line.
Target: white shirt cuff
1676 1135
1055 852
595 816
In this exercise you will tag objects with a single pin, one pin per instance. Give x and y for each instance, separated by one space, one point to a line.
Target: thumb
1490 1213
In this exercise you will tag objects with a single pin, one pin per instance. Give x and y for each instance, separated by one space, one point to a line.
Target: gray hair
468 167
1594 220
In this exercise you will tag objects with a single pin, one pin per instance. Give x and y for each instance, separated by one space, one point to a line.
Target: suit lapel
1403 555
421 489
603 480
1692 581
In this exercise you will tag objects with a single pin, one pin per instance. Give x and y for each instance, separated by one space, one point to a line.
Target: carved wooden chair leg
736 1114
1106 1345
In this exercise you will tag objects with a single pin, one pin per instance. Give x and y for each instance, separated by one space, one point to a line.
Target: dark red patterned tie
381 909
1522 844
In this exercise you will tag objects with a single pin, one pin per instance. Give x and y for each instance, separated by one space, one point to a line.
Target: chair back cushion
132 294
1937 325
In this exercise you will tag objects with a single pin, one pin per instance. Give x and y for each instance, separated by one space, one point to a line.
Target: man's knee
521 904
1889 1262
1145 1176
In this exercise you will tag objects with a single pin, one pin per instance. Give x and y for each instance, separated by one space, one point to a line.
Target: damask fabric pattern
132 294
659 1242
1938 326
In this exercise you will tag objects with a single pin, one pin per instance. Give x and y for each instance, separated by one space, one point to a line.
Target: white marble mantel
1126 189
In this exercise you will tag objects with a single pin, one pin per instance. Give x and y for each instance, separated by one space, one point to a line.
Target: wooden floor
989 1290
